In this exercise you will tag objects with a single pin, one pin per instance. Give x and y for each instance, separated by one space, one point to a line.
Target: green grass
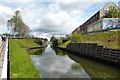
33 51
108 39
27 43
64 45
21 65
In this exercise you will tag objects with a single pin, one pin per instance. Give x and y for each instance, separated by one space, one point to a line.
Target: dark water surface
55 63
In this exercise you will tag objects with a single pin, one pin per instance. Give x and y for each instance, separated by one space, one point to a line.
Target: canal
55 63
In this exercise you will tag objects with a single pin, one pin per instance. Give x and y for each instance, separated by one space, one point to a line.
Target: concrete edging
4 70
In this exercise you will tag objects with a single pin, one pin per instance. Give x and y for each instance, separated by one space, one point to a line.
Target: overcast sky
50 17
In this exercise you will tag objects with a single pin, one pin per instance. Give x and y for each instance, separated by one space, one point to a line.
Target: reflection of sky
54 66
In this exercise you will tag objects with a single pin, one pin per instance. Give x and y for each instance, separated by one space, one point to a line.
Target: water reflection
39 51
58 51
57 66
55 63
95 69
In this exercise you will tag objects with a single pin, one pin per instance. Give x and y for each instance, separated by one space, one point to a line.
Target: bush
64 45
76 38
52 39
59 41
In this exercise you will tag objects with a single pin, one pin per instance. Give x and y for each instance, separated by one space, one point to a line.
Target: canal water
55 63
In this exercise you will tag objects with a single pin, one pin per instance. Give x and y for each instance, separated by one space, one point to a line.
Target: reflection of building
97 22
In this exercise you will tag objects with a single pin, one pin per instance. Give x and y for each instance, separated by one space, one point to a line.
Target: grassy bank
64 45
21 65
109 39
27 43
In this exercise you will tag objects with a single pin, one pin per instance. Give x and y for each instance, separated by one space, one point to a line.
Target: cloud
46 18
55 22
59 21
3 28
19 0
66 1
31 16
75 5
5 12
54 19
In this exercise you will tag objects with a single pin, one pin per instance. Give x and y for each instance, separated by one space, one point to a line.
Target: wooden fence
96 51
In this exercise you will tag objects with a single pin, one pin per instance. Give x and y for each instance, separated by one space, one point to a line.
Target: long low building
97 22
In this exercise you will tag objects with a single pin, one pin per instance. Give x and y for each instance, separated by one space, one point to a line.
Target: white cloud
19 0
65 1
5 10
56 18
59 21
56 22
74 5
19 9
3 28
31 16
5 13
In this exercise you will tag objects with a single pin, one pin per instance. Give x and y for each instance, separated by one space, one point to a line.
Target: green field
21 65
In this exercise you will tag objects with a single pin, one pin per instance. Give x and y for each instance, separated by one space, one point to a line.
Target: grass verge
27 43
64 45
21 65
109 39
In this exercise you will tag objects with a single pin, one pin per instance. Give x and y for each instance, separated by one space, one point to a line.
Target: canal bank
94 51
109 39
57 63
104 46
21 65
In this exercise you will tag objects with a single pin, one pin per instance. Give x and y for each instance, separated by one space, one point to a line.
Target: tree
17 25
76 38
59 41
52 38
112 13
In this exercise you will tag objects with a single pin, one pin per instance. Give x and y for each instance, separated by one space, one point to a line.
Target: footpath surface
2 53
